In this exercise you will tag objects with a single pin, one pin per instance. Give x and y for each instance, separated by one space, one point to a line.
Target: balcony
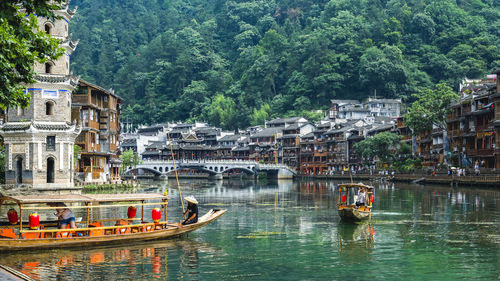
485 152
82 99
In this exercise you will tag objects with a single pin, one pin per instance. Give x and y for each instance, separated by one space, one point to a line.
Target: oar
176 176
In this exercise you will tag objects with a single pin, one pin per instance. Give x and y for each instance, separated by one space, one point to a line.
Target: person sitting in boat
192 209
361 198
64 215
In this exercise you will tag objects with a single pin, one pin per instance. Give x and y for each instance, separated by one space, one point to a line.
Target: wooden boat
94 232
348 211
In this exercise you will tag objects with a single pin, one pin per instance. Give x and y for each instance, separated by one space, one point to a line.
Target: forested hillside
236 63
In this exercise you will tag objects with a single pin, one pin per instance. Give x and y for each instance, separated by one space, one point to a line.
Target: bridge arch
243 169
137 171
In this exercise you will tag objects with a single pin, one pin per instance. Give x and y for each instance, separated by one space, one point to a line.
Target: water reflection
291 231
355 238
145 261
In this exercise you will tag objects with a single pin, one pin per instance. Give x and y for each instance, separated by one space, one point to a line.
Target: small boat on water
19 233
348 196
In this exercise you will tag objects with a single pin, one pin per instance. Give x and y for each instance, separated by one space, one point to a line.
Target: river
291 231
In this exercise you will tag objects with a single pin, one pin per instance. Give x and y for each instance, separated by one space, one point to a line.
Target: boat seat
124 230
148 227
97 232
64 234
7 233
34 235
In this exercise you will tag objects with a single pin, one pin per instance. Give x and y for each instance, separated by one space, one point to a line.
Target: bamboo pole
88 213
176 176
20 219
142 211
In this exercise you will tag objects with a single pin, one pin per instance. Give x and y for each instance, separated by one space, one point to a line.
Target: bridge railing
236 161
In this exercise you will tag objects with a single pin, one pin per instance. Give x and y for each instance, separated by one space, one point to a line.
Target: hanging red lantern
372 198
34 220
132 210
156 214
344 198
12 215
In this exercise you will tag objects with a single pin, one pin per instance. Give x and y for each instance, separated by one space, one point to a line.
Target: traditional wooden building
405 132
264 145
314 151
97 111
471 125
291 143
496 123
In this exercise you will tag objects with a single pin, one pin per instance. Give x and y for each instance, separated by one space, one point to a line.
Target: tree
129 159
222 112
77 150
430 109
260 115
21 44
382 145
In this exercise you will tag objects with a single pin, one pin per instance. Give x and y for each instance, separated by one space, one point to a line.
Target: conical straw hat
191 199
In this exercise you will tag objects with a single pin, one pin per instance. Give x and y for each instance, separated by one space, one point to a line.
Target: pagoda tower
39 139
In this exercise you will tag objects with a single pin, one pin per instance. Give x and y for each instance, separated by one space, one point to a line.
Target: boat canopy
71 198
355 185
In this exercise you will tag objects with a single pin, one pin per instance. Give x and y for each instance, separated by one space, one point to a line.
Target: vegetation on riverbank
100 187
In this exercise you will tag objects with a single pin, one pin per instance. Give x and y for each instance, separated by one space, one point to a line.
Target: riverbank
124 185
491 180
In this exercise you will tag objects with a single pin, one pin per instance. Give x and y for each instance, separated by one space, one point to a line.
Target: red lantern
344 198
132 210
34 220
156 214
13 217
372 198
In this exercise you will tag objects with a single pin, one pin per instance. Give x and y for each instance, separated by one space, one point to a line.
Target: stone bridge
214 168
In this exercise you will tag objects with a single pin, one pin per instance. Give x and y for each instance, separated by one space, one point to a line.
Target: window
51 143
49 108
48 68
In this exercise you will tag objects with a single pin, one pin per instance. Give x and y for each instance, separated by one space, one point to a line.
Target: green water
291 231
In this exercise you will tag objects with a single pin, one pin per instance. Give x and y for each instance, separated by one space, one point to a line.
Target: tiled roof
129 142
267 132
284 120
16 126
52 127
230 138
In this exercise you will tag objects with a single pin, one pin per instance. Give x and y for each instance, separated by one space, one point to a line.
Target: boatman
192 211
64 215
361 197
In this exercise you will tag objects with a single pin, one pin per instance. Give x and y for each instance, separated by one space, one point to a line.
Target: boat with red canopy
348 196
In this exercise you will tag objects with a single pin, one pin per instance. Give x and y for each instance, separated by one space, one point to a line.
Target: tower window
48 28
51 143
48 68
49 108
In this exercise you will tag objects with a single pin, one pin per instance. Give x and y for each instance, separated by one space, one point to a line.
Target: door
19 170
50 170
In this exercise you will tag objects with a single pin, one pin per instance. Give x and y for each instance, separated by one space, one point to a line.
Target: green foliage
77 150
21 43
222 112
380 147
260 115
91 188
175 60
129 159
430 108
